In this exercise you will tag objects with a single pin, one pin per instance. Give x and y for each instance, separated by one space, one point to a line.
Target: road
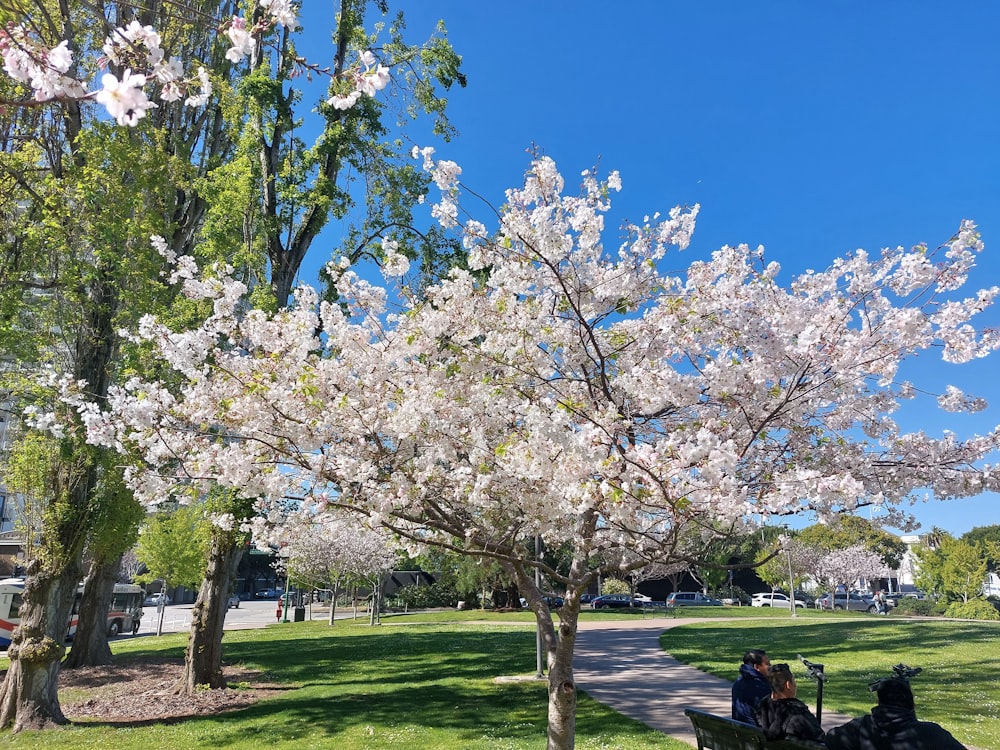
250 614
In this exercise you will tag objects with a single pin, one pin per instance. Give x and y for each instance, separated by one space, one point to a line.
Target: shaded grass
959 687
358 688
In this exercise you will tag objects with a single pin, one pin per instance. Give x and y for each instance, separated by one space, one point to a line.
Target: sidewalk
620 664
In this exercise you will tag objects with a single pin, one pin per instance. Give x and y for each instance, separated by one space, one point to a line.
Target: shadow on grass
347 679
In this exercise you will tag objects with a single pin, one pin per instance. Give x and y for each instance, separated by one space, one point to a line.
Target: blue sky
810 128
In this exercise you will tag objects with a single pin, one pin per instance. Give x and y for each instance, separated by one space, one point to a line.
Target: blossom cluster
564 390
136 53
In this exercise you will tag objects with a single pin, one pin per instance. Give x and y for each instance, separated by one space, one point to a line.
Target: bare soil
142 690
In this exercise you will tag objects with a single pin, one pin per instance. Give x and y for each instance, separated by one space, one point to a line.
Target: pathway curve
620 664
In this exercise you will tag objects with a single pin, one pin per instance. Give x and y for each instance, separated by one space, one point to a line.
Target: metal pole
284 610
791 583
539 664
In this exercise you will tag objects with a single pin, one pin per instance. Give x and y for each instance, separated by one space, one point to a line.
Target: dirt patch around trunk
141 690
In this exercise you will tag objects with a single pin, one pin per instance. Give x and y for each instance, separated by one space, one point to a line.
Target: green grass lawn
959 687
355 687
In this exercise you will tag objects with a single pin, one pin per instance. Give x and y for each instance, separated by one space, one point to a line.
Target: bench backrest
721 733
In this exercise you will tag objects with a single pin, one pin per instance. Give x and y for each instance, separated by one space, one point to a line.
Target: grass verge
959 687
354 687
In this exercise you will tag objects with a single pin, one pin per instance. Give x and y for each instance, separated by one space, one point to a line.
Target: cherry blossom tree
843 567
564 390
329 550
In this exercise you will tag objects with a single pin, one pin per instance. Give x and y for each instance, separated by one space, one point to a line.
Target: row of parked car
842 600
839 600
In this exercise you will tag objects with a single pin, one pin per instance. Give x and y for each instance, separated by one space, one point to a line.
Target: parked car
618 601
554 602
844 601
233 602
774 599
153 600
586 598
643 599
691 599
269 594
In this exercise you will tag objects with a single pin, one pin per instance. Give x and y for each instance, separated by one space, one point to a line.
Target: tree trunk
333 602
90 644
562 685
561 731
29 697
203 659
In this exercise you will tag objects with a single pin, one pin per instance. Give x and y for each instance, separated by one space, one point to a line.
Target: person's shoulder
845 735
942 738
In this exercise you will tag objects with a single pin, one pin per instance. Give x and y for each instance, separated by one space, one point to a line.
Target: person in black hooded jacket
782 716
892 725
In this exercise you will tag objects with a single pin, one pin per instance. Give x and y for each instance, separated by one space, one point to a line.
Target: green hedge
974 609
910 606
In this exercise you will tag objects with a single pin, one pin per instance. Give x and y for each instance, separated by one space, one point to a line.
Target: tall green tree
231 180
988 537
955 568
848 531
81 198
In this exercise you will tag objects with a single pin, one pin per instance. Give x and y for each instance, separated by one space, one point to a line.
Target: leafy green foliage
955 568
974 609
615 586
849 531
910 606
174 546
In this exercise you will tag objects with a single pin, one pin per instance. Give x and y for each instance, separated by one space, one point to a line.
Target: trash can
299 614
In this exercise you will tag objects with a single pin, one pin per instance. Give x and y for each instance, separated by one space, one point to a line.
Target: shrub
910 606
974 609
440 594
732 592
615 586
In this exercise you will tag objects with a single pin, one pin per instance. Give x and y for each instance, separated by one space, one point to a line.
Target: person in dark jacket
892 725
751 687
781 715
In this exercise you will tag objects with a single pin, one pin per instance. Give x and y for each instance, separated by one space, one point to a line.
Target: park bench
719 733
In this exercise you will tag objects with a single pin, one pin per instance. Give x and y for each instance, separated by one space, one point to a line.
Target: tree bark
333 602
29 697
90 644
561 730
203 659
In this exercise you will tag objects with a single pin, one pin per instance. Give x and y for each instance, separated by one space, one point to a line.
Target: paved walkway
620 664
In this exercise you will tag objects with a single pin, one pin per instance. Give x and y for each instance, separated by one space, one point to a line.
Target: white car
774 599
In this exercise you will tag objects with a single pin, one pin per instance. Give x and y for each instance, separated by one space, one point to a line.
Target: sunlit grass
959 687
422 683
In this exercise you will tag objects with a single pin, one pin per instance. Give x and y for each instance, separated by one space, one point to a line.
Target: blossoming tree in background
566 390
329 550
843 567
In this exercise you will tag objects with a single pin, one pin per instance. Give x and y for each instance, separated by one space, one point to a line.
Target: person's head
895 692
782 681
758 659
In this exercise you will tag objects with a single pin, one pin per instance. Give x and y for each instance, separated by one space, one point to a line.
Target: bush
974 609
615 586
440 594
910 606
732 592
